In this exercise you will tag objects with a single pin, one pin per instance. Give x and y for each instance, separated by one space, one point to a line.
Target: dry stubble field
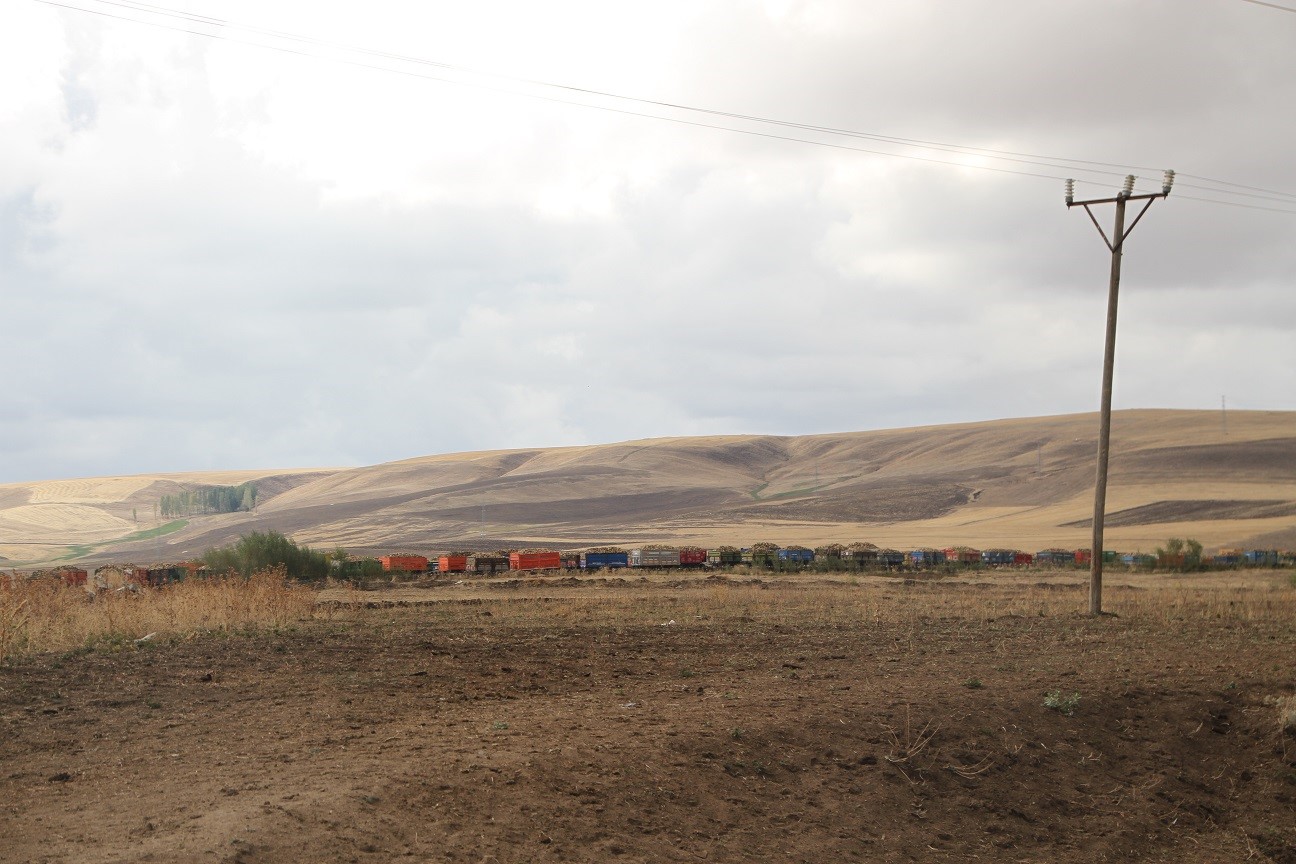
709 720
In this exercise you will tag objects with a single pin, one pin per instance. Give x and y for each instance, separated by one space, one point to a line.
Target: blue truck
604 560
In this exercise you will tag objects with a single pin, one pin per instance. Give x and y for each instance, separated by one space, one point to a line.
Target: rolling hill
1025 483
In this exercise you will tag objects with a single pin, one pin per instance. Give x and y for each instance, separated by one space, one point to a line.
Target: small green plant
973 684
1063 704
736 733
686 673
499 726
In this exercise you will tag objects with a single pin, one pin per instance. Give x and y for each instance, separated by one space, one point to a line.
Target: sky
279 234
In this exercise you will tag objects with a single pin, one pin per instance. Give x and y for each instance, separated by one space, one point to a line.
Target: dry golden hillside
1025 483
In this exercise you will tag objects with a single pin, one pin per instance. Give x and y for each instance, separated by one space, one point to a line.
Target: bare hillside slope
1025 483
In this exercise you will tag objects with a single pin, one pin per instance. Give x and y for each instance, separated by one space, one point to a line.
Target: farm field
729 718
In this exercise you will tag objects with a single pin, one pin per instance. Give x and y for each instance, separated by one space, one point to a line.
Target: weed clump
1065 705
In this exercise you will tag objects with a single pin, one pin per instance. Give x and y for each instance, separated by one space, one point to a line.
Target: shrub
257 551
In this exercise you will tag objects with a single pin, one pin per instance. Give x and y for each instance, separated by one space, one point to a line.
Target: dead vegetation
44 615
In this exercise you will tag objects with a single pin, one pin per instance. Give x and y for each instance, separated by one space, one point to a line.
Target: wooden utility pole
1116 244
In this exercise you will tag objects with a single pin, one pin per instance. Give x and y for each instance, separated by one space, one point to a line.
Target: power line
1233 204
1003 155
1069 165
1270 5
1237 186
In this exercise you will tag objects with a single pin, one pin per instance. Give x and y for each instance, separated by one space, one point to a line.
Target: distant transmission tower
1223 417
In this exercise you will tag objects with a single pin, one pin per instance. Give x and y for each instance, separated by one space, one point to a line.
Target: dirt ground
463 731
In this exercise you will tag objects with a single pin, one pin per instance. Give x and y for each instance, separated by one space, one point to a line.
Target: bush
257 551
1181 555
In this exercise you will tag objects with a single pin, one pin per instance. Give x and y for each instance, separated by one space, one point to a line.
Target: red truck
692 557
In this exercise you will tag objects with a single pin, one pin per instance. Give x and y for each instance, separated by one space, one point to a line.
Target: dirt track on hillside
453 734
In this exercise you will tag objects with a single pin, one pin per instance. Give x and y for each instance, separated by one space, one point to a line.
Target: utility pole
1116 244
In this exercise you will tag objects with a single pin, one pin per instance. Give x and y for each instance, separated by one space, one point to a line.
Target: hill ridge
1012 482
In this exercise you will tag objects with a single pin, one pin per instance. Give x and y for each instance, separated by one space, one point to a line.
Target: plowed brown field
712 722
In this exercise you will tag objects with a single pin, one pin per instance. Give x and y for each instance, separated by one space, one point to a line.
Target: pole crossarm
1085 204
1148 196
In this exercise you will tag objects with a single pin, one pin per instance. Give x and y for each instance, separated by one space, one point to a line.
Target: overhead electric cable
1092 167
1005 155
1290 195
1271 5
1233 204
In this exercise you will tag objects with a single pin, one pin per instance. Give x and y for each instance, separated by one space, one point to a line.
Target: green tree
1180 554
1170 554
209 499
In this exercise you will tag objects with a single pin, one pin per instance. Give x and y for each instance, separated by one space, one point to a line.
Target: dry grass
918 606
45 615
1286 706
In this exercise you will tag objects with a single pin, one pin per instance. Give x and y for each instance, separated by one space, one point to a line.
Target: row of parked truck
861 555
761 555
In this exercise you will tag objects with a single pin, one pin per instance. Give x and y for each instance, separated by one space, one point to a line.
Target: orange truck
404 563
452 564
535 560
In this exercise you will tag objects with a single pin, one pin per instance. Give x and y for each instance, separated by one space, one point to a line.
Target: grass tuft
1065 705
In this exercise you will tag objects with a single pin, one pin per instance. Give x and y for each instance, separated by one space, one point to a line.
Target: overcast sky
341 235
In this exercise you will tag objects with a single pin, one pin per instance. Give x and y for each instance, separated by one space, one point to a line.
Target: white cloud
219 255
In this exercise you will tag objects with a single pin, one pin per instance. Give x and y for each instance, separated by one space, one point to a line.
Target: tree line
209 499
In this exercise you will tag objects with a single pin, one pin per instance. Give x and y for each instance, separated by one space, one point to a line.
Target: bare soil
451 732
1161 512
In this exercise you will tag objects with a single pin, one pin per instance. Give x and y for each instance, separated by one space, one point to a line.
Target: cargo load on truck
654 557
